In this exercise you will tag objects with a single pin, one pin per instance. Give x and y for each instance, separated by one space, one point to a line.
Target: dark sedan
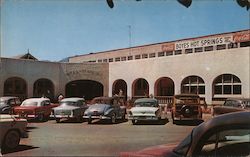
224 135
7 103
108 108
232 105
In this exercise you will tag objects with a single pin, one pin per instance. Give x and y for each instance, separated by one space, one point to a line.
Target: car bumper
64 116
143 118
27 116
96 117
181 117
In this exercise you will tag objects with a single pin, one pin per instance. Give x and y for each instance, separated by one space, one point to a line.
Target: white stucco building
215 67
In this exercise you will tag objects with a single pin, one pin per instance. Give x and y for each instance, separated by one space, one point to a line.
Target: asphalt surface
98 139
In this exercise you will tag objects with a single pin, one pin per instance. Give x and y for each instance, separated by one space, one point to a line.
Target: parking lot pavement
98 139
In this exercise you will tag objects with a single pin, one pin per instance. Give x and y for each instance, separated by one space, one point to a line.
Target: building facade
215 67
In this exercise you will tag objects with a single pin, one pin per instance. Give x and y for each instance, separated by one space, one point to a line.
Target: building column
30 89
209 92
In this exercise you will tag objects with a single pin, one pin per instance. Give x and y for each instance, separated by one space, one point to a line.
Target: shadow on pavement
107 122
161 122
189 122
18 149
29 128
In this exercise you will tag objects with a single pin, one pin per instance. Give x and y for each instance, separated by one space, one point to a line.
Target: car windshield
68 103
146 104
29 103
186 100
183 147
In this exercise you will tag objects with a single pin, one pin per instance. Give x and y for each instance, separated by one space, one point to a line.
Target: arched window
227 84
193 84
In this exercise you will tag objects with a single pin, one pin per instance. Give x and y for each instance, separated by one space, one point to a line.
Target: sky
56 29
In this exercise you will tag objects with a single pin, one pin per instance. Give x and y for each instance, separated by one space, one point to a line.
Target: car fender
109 112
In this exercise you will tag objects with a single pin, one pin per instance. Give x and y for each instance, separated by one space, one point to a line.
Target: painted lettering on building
204 42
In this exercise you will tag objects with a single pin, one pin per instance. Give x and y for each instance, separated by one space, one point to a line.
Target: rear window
29 103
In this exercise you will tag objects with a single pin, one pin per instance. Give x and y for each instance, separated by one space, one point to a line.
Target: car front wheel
113 119
41 118
58 120
11 140
89 121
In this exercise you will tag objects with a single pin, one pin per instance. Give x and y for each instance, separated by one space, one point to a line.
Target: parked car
105 108
34 108
70 108
7 103
224 135
232 105
11 131
145 109
186 107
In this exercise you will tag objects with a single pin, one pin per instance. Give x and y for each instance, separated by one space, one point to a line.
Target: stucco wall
59 73
207 65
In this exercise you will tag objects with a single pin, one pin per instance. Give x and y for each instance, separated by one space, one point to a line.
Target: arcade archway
140 87
164 87
15 86
44 87
84 88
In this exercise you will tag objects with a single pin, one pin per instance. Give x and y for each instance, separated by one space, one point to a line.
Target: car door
47 107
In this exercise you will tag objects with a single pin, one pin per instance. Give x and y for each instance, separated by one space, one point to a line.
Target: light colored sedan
70 108
11 131
145 109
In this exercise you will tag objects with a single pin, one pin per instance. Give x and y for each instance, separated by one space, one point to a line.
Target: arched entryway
120 88
44 87
15 86
164 87
84 88
140 88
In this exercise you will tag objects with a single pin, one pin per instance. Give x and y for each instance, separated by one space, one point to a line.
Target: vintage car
186 107
11 131
34 108
105 108
224 135
232 105
70 108
145 109
7 103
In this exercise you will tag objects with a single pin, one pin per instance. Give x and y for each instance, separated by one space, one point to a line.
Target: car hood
143 109
98 107
66 107
156 151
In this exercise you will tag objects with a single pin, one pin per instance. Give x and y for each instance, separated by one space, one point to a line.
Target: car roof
7 97
186 95
241 99
72 99
37 99
103 98
145 100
